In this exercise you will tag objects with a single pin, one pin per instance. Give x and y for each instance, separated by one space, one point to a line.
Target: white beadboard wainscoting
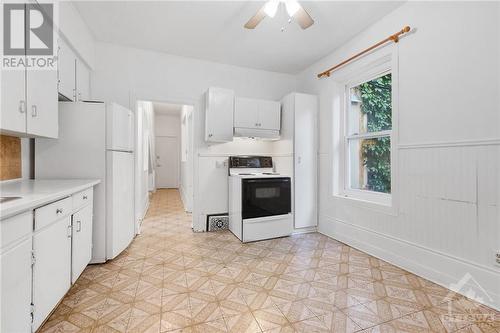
447 220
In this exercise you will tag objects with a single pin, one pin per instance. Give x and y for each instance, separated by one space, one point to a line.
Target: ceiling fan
293 8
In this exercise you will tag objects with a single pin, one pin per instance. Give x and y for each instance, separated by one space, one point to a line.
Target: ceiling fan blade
303 18
254 20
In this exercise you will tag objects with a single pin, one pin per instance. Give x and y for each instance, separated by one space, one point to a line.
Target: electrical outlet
498 257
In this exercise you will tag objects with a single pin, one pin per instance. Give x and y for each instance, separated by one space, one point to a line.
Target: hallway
171 279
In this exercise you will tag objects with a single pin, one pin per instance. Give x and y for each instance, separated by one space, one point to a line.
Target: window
367 137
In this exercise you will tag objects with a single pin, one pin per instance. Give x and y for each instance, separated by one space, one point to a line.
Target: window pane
370 108
370 164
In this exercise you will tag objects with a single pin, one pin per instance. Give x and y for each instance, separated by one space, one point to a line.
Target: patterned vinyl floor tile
173 280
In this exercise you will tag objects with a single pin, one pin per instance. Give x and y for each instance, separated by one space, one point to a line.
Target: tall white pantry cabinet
300 134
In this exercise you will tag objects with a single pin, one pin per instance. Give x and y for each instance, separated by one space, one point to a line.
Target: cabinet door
15 288
41 95
13 104
269 115
219 115
52 270
82 81
82 241
66 71
246 113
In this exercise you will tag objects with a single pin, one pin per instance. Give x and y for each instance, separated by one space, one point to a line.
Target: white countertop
38 192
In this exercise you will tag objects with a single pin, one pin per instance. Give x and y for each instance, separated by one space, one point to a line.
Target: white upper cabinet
257 118
219 110
73 74
42 118
82 81
66 73
13 108
29 102
246 113
269 115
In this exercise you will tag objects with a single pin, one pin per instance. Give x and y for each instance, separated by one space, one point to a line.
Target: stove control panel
253 162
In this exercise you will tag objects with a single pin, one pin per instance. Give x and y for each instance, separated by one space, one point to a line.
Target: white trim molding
445 144
430 264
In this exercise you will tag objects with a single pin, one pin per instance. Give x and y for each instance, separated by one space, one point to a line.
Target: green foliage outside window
377 106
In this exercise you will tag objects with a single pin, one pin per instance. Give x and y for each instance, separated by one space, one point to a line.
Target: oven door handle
267 180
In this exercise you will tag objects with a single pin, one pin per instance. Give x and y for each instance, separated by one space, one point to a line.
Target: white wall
124 75
447 221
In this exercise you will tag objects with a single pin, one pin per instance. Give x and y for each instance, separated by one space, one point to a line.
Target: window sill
379 207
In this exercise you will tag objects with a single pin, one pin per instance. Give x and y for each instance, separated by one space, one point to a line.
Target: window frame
381 65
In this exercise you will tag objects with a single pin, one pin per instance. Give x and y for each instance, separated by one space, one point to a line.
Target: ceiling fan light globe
271 7
292 7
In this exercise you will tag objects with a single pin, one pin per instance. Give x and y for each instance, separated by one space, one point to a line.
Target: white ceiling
214 30
167 109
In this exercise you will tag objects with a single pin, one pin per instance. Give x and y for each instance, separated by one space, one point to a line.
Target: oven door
266 197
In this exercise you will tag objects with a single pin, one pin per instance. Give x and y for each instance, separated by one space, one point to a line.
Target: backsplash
10 157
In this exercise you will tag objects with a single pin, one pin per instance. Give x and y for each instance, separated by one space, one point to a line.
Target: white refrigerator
96 140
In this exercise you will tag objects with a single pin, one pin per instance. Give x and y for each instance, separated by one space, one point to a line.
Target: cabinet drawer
82 198
16 227
52 212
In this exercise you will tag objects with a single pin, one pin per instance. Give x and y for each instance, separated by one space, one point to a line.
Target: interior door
167 162
52 270
82 241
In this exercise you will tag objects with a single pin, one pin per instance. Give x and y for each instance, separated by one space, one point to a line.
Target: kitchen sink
7 199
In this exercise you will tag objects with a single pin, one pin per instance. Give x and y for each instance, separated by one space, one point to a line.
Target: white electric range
260 200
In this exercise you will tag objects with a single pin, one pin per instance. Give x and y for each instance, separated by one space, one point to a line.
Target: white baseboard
306 230
432 265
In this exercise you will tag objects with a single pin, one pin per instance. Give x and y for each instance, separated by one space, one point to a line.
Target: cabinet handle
78 226
21 106
59 211
34 113
85 197
69 231
74 94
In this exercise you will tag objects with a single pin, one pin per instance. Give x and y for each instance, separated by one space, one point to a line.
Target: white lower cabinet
52 268
15 289
81 247
42 253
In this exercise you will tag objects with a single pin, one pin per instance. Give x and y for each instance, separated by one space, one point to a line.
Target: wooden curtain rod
394 38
